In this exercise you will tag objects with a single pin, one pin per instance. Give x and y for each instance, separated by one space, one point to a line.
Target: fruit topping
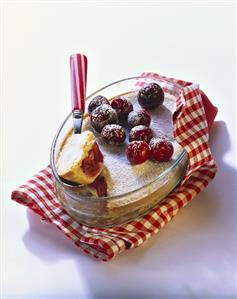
100 186
102 116
113 134
140 117
140 133
151 96
122 106
91 164
96 102
137 152
161 149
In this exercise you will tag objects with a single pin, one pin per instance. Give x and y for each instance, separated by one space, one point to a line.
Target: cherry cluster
105 116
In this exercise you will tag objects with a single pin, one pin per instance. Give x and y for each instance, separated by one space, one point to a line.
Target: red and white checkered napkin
193 116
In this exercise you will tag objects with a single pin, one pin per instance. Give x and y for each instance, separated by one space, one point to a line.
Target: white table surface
194 256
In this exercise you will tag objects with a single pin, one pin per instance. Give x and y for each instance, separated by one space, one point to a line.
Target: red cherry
96 102
140 117
140 133
113 134
137 152
151 96
161 149
102 116
122 107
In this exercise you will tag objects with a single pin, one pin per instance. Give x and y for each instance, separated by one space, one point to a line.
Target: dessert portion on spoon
80 160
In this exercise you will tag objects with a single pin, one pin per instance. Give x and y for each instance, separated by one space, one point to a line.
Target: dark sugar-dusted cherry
140 117
122 106
96 102
102 116
113 134
151 96
161 149
140 133
137 152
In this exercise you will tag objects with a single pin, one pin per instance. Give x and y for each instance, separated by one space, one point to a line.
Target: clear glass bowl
131 203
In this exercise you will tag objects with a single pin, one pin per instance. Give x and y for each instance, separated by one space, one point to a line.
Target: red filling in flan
91 164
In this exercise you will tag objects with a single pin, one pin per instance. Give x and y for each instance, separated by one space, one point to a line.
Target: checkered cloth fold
192 120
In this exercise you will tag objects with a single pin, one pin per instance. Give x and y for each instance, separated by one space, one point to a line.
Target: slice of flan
80 159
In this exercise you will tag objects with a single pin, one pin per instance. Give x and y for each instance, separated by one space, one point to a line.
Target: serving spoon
78 76
78 72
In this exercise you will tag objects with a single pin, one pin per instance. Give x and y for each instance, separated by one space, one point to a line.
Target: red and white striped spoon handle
78 71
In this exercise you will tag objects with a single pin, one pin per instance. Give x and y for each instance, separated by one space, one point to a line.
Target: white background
194 256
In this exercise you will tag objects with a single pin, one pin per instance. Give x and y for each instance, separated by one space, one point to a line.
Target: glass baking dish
136 197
